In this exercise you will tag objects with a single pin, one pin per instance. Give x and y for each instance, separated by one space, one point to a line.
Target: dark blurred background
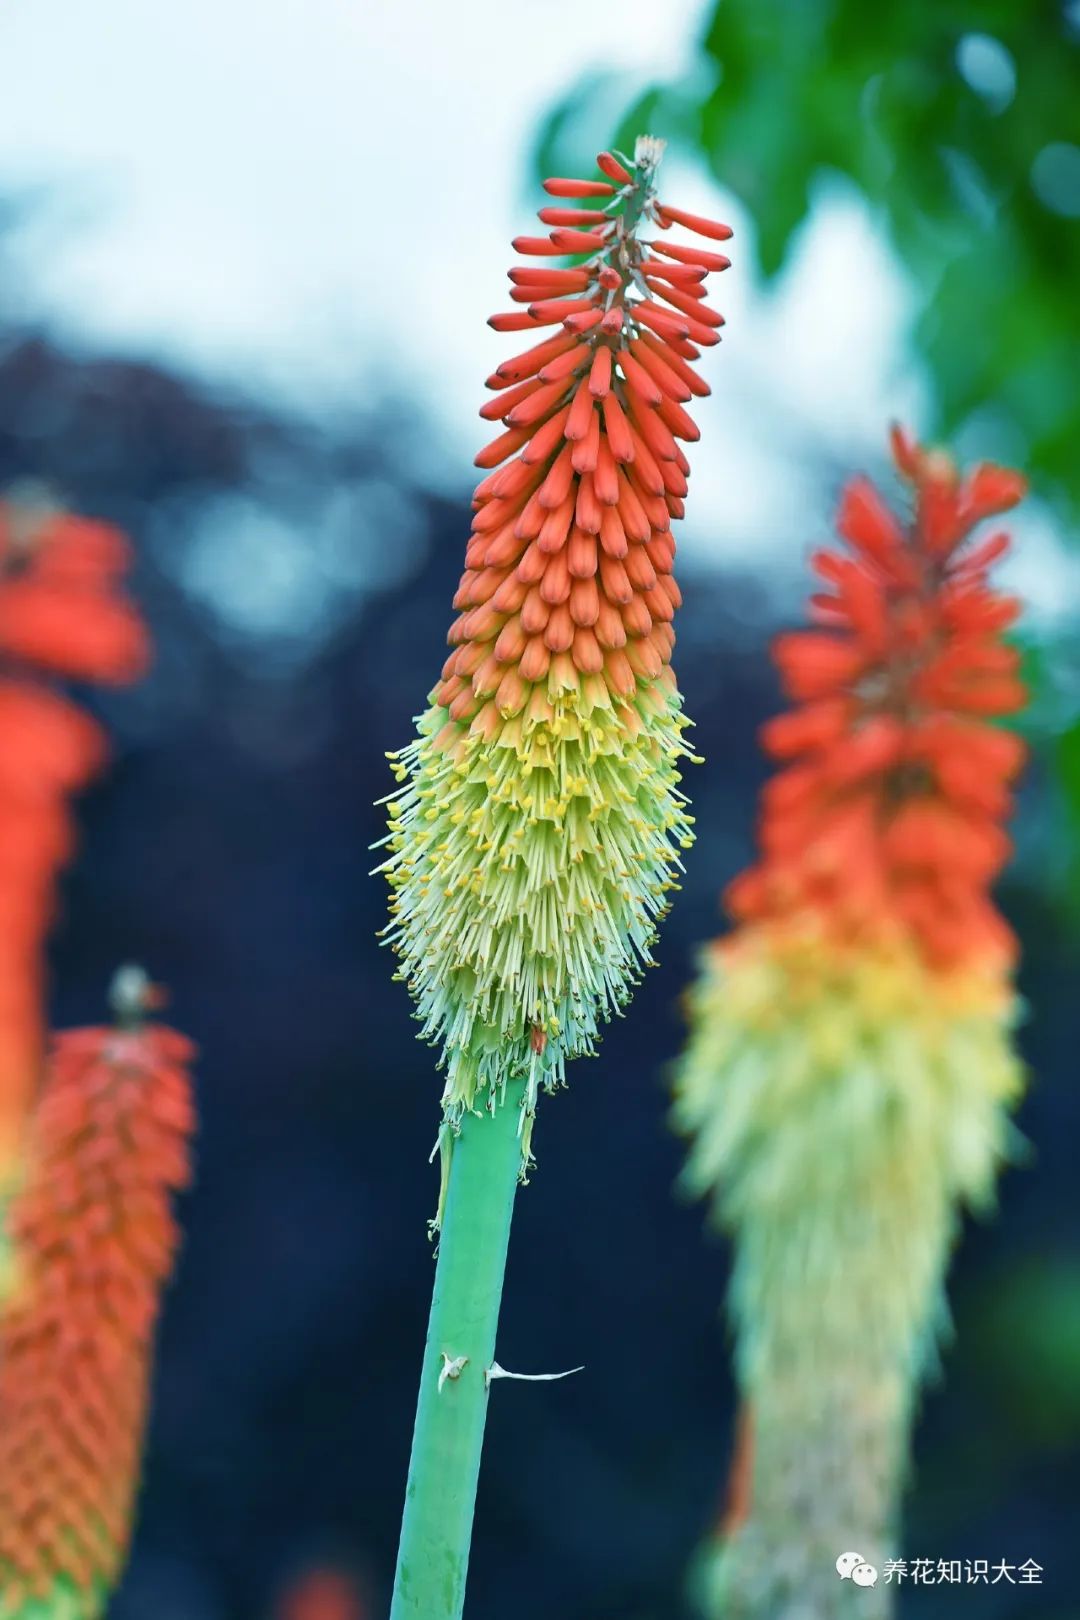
299 503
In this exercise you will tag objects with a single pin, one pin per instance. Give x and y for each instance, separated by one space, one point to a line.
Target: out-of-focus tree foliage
959 123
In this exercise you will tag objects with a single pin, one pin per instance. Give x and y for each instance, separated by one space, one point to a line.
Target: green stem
433 1557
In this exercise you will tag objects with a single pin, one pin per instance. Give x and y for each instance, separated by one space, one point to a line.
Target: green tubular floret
528 876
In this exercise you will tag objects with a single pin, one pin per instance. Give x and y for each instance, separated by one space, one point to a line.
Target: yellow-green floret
844 1106
529 871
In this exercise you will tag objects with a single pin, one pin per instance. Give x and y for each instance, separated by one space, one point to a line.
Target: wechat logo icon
852 1566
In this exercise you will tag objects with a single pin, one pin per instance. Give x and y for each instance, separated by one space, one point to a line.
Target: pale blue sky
317 196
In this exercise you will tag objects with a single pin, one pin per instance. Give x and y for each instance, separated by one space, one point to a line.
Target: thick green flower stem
436 1529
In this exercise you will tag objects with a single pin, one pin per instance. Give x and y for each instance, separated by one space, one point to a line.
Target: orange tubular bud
646 468
618 429
600 374
581 413
587 512
609 164
568 241
539 292
560 478
498 409
517 321
693 256
537 246
612 534
661 371
566 363
571 216
639 379
682 275
662 321
682 347
632 512
538 406
586 451
559 309
578 188
694 222
675 362
541 276
605 477
584 322
505 445
685 301
546 439
556 525
680 424
648 425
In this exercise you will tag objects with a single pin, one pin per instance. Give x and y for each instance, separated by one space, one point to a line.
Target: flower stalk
437 1523
536 836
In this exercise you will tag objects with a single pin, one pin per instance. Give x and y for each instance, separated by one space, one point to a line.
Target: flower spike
95 1242
884 819
536 836
536 839
850 1070
62 613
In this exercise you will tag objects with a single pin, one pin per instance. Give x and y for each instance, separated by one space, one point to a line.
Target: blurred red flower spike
895 751
96 1239
62 612
322 1594
73 633
60 606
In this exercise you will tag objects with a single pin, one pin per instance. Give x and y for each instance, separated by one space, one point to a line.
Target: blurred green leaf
958 121
955 120
1029 1349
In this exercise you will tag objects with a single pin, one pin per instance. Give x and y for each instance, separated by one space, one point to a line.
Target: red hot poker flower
887 813
850 1070
49 750
533 847
569 570
534 840
95 1241
62 612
